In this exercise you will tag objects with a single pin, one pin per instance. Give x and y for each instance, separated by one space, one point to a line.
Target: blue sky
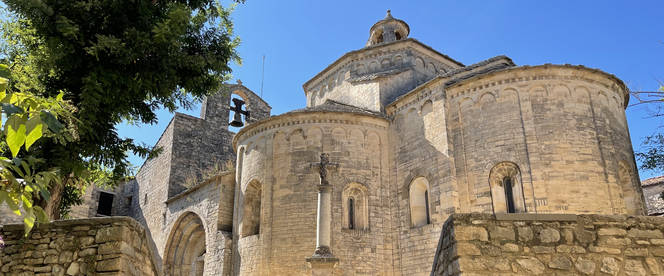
300 38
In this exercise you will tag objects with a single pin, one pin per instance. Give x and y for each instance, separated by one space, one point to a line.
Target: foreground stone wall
548 244
101 246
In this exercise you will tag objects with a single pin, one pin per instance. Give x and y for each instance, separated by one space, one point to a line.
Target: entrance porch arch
185 249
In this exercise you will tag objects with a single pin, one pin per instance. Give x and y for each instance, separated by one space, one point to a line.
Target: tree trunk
52 206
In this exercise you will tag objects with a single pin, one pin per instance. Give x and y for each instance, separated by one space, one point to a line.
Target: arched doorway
185 250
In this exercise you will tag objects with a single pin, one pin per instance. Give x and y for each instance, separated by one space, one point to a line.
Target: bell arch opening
186 247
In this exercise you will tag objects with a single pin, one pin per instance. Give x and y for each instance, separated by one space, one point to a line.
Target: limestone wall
652 191
122 197
192 149
419 149
279 155
7 216
101 246
562 130
207 204
529 244
150 190
354 78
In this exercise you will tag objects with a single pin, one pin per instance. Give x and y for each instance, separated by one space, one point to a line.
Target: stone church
395 137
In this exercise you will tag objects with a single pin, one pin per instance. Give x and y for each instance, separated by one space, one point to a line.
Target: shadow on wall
137 213
423 176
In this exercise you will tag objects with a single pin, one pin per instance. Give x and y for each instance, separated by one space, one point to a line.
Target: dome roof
387 30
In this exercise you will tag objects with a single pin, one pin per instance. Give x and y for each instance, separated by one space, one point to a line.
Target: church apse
294 143
563 126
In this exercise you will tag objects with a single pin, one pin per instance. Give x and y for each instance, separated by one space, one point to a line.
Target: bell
237 120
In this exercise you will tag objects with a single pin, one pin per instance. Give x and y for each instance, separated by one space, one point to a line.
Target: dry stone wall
98 246
550 244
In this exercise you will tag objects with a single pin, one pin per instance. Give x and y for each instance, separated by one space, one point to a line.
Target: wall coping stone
538 217
115 220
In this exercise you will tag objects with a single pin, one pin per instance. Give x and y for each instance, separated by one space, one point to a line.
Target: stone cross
323 166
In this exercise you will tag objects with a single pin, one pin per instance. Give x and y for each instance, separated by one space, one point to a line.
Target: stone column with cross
323 261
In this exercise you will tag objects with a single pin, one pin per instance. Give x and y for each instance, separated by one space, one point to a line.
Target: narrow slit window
426 203
509 194
351 213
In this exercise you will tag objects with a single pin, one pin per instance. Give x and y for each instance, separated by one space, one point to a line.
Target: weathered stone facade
190 177
98 246
652 191
550 244
426 144
412 136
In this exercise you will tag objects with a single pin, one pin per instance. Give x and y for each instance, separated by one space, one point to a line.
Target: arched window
379 37
419 202
397 35
251 216
506 188
355 207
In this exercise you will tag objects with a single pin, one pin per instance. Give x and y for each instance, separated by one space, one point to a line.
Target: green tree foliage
29 118
651 154
114 61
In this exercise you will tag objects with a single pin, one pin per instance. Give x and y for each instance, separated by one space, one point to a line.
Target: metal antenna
263 76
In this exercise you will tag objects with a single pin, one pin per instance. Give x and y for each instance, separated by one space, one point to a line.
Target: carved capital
322 254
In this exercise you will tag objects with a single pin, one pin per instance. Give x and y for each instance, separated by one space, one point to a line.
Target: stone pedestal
321 265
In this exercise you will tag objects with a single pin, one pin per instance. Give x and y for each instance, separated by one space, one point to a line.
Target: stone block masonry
98 246
550 244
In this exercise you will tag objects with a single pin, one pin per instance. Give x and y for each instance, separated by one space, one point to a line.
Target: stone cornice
536 73
354 56
309 117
